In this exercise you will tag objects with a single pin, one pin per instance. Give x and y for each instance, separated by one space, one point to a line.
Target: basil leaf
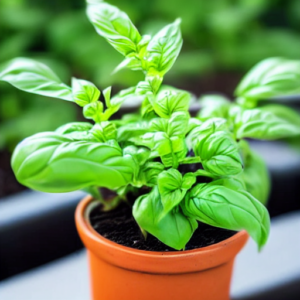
50 162
260 124
77 131
34 77
174 229
131 130
149 173
283 112
223 207
197 128
104 131
114 103
172 187
163 49
74 126
115 26
213 106
219 153
168 102
93 111
178 124
140 154
84 92
270 78
256 177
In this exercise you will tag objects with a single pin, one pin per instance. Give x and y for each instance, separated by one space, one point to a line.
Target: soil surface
119 226
8 182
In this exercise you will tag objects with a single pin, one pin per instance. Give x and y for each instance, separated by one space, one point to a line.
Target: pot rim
157 262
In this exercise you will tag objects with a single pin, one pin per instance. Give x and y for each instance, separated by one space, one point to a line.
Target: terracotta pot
122 273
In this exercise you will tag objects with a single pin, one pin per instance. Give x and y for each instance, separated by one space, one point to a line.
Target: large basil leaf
228 208
163 49
84 92
173 187
269 78
34 77
261 124
51 162
219 153
213 106
256 177
168 102
115 26
174 229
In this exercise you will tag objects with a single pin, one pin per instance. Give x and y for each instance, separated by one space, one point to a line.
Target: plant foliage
149 149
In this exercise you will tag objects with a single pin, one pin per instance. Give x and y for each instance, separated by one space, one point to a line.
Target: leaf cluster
195 169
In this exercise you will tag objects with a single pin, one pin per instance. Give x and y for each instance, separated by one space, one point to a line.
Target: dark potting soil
119 226
8 183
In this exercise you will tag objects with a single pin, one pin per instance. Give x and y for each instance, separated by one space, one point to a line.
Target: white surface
67 278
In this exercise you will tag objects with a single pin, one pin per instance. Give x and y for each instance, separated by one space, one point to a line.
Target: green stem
94 191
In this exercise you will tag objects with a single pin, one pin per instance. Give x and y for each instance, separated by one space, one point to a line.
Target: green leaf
84 92
197 128
256 177
34 77
172 187
104 131
283 112
163 49
174 229
107 96
213 106
140 154
113 104
78 131
74 126
167 140
270 78
228 208
50 162
115 26
168 102
149 173
131 130
177 125
260 124
218 151
93 111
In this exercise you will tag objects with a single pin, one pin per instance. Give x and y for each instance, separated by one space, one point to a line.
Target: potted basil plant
174 197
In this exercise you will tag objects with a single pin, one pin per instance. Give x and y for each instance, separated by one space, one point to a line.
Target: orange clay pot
122 273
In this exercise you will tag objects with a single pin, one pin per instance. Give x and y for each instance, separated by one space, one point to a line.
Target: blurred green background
222 40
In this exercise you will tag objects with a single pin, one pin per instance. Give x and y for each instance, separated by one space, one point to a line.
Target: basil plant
183 169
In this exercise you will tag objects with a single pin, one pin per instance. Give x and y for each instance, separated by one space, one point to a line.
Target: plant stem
94 191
